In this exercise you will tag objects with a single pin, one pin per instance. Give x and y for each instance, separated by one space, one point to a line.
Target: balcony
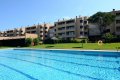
70 28
62 28
61 23
41 29
41 33
85 22
117 14
70 33
82 29
81 24
83 36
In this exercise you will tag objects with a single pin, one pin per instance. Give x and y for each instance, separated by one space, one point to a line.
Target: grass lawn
94 46
1 47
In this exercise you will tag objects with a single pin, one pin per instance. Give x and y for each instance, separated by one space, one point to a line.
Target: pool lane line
68 62
76 74
22 73
75 58
119 69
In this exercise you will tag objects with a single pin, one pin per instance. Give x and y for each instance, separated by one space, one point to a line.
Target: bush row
50 41
30 41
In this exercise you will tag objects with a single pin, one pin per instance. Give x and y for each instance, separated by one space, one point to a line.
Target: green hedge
36 41
28 42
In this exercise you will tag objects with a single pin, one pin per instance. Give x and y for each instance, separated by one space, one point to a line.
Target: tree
28 41
102 19
108 37
36 41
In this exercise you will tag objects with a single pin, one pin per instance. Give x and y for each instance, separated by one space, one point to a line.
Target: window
81 33
70 21
85 22
107 30
41 35
33 31
86 27
118 28
70 33
41 31
45 35
45 27
28 28
55 24
117 21
61 34
28 31
86 33
81 27
70 27
117 14
33 27
81 21
60 23
62 28
45 31
55 30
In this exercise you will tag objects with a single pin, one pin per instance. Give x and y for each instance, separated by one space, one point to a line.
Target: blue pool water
59 65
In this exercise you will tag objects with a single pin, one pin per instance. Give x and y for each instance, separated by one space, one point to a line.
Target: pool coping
66 49
60 49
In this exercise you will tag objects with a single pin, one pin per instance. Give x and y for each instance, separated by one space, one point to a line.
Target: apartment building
113 28
77 27
51 32
41 30
12 33
1 34
116 24
72 28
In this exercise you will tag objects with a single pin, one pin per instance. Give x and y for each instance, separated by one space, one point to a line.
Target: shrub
36 41
28 42
49 41
109 37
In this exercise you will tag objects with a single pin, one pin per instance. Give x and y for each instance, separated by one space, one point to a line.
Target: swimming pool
28 64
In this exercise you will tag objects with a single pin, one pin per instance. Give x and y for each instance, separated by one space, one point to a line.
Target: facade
72 28
40 30
116 24
114 28
77 27
13 33
1 34
51 32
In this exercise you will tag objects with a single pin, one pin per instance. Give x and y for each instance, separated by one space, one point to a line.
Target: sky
21 13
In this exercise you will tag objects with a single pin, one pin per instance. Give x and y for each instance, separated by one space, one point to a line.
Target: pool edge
66 49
